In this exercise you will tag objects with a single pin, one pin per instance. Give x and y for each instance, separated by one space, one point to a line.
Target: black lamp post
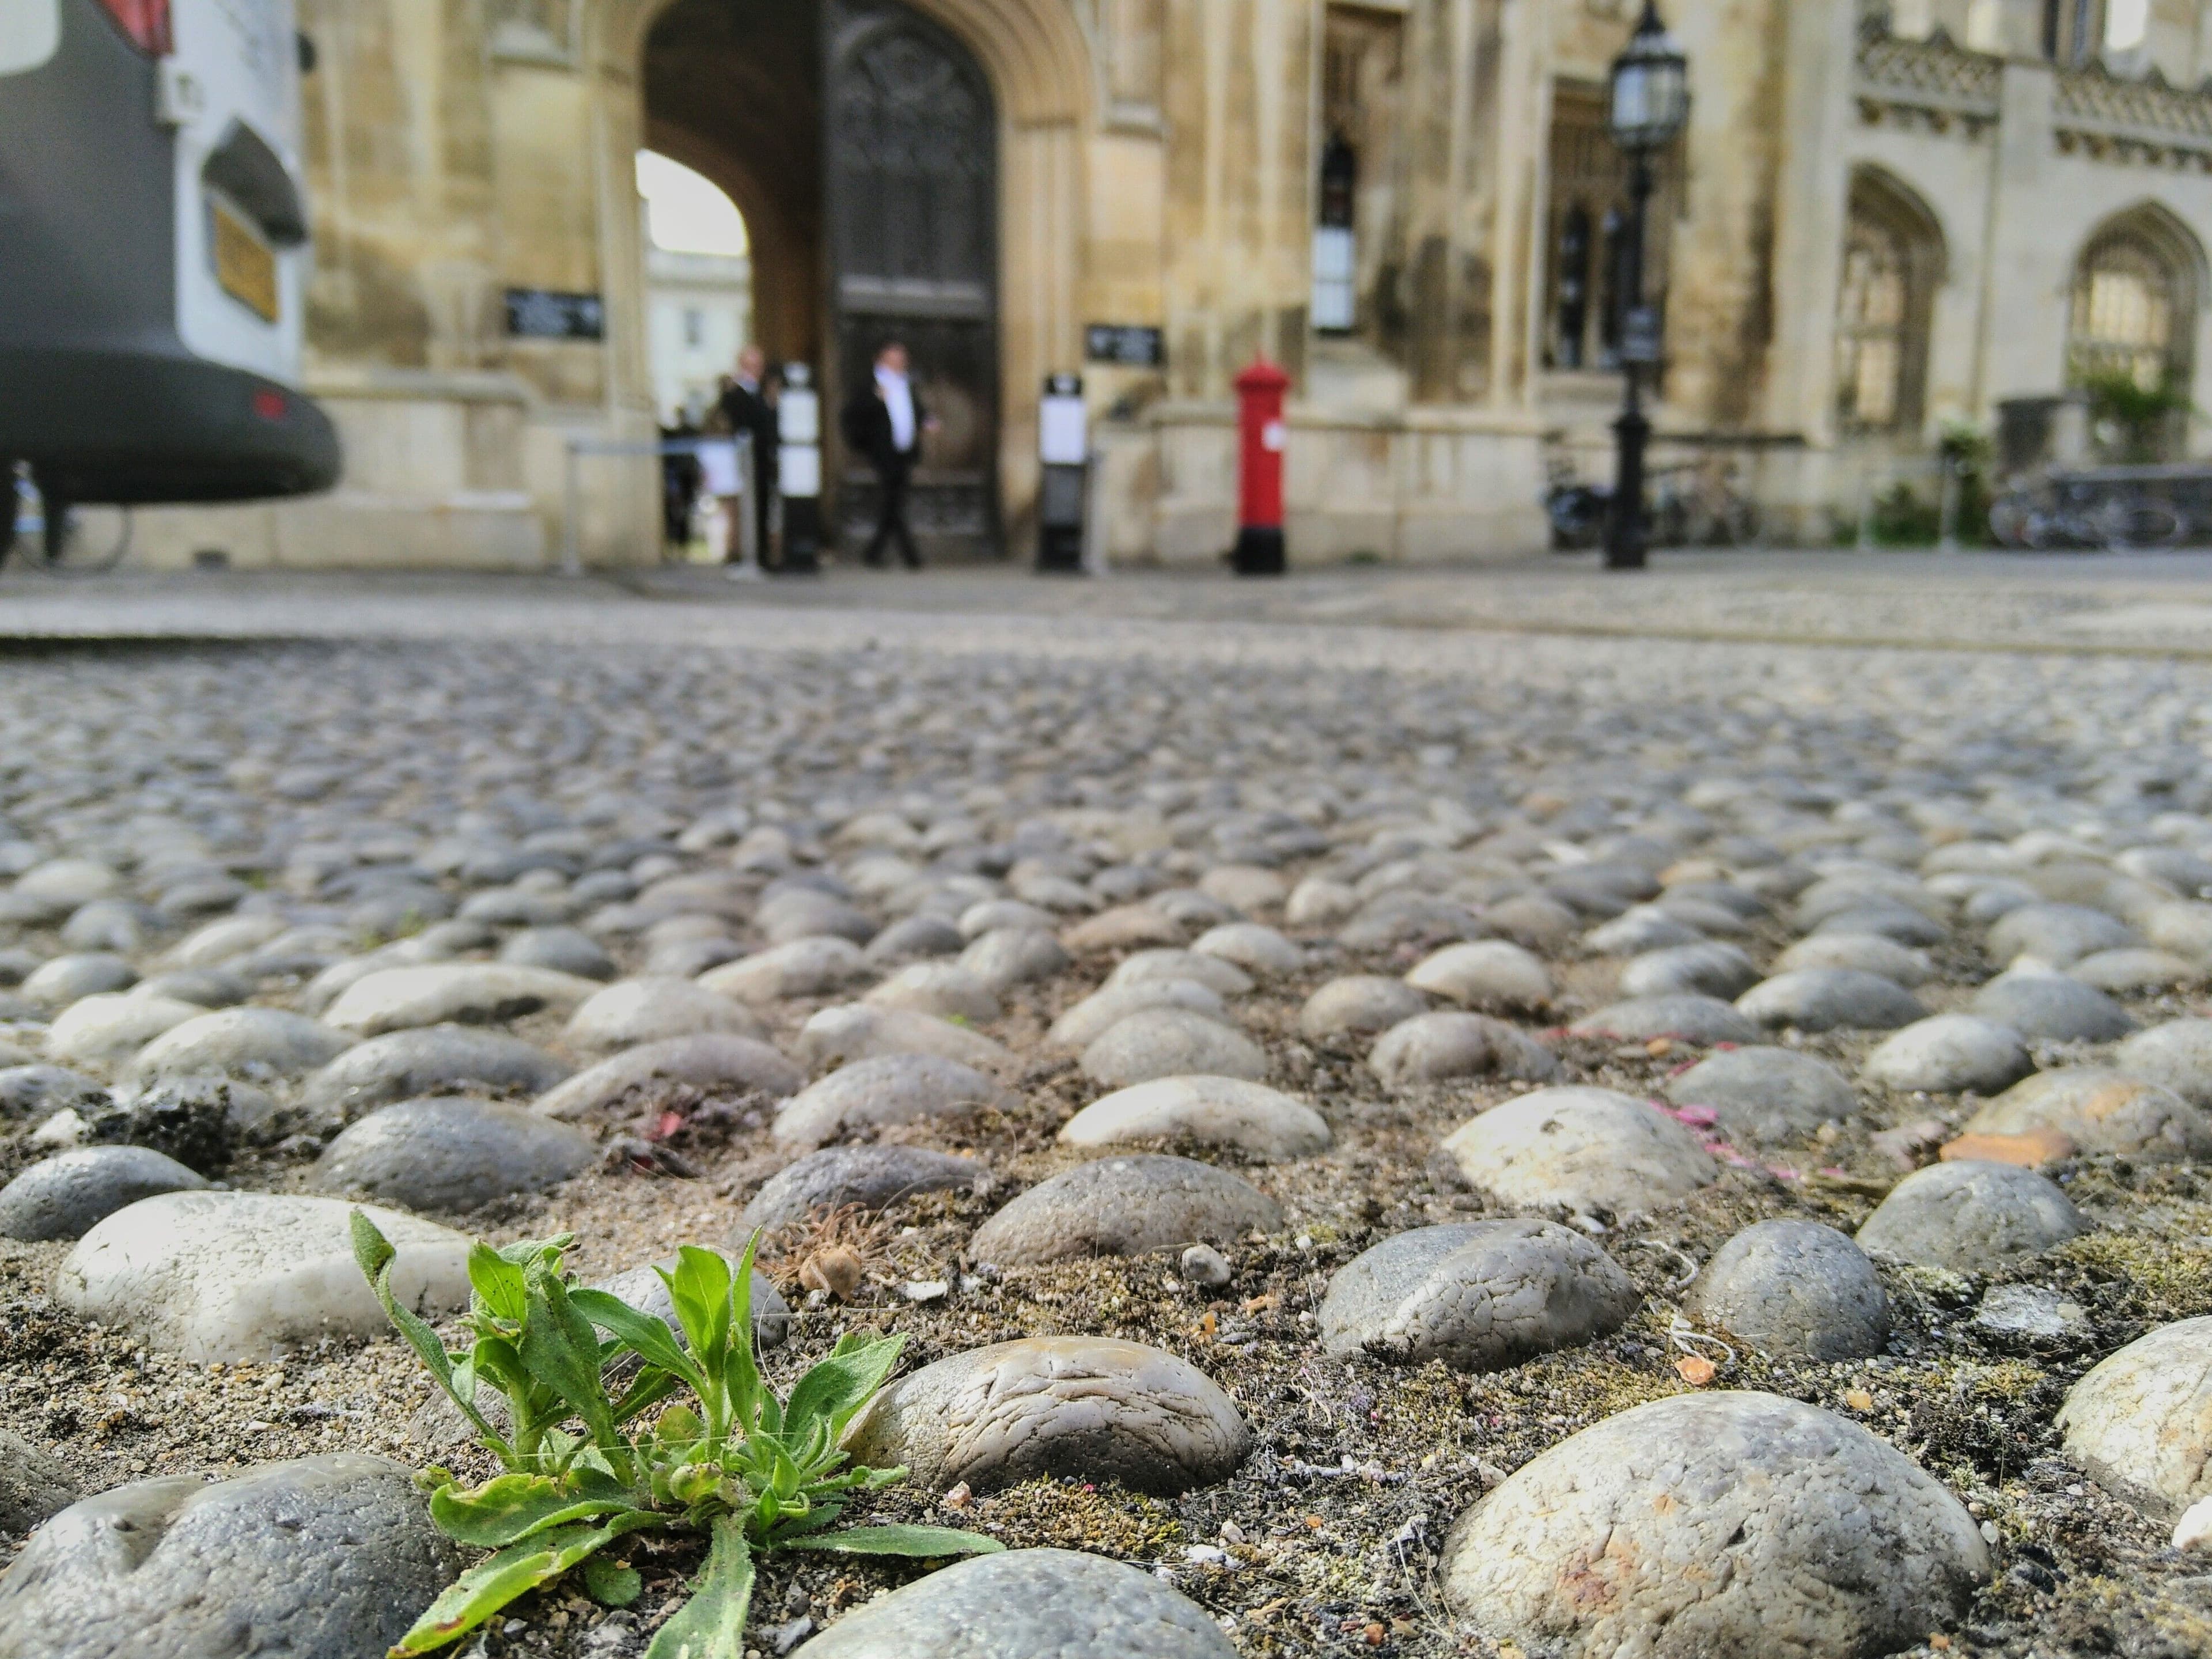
1651 106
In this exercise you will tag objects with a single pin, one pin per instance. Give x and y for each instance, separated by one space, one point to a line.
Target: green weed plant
724 1455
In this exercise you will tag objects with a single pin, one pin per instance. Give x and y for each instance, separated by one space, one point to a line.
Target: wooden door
911 176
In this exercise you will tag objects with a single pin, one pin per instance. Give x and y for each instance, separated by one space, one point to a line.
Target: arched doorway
1893 264
860 140
911 141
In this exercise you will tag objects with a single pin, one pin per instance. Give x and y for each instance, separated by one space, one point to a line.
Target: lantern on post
1651 106
1262 437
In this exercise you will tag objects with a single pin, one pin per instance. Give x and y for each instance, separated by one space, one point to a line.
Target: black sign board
1639 335
540 314
1127 345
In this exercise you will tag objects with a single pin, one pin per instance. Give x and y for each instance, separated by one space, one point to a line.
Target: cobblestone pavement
1470 1112
2147 604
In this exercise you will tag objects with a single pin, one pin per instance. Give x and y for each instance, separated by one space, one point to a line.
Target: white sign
1275 437
1063 432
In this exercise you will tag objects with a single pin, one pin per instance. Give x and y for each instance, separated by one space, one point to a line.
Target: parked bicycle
1693 505
2118 509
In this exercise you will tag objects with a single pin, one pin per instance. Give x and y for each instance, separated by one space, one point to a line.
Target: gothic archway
1894 261
1041 78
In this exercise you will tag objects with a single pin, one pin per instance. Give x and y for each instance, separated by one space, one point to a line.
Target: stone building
1877 221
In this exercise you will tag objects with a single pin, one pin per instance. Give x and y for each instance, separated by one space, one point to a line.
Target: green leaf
374 1254
561 1351
646 1333
924 1543
700 1287
712 1624
498 1283
510 1508
516 1571
834 1391
610 1584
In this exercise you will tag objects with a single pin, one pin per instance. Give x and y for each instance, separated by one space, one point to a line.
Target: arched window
2134 306
1892 264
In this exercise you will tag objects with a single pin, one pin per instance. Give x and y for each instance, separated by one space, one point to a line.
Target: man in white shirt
883 424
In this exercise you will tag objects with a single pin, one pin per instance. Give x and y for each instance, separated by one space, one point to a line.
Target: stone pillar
1812 200
2024 280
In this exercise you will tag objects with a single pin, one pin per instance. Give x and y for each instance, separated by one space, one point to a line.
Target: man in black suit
884 423
749 405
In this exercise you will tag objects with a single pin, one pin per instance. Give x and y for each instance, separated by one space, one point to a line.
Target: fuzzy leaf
510 1508
834 1391
646 1333
561 1351
516 1571
700 1287
498 1283
374 1254
712 1624
611 1584
924 1543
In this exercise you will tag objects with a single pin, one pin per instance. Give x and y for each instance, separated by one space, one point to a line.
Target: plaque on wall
1126 345
542 313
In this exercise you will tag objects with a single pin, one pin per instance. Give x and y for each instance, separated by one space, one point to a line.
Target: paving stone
1866 953
886 1090
1583 1148
34 1484
2051 1007
1264 1125
329 1557
1099 1012
945 989
1710 1524
1970 1217
1831 999
1125 1206
2100 1110
715 1062
2134 970
1222 977
1007 956
1170 1041
108 1029
64 980
1640 931
1087 1406
465 994
563 950
635 1010
2057 935
855 1030
1710 967
452 1153
1027 1602
1701 1020
230 1276
1358 1005
2140 1422
1948 1054
799 967
431 1060
253 1043
1443 1046
1479 1296
2176 1056
1796 1289
64 1195
1258 950
34 1092
1765 1096
874 1177
1486 974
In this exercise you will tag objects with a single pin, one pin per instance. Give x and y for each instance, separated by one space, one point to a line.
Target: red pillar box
1261 438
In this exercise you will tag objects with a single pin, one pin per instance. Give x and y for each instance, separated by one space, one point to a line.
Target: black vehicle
153 252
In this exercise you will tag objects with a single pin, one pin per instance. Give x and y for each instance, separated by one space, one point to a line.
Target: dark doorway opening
860 141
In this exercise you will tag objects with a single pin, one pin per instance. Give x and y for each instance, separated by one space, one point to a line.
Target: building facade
699 314
1880 221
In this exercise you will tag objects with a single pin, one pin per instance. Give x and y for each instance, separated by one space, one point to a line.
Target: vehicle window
30 31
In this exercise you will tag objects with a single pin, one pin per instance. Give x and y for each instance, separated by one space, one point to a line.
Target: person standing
748 405
884 423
